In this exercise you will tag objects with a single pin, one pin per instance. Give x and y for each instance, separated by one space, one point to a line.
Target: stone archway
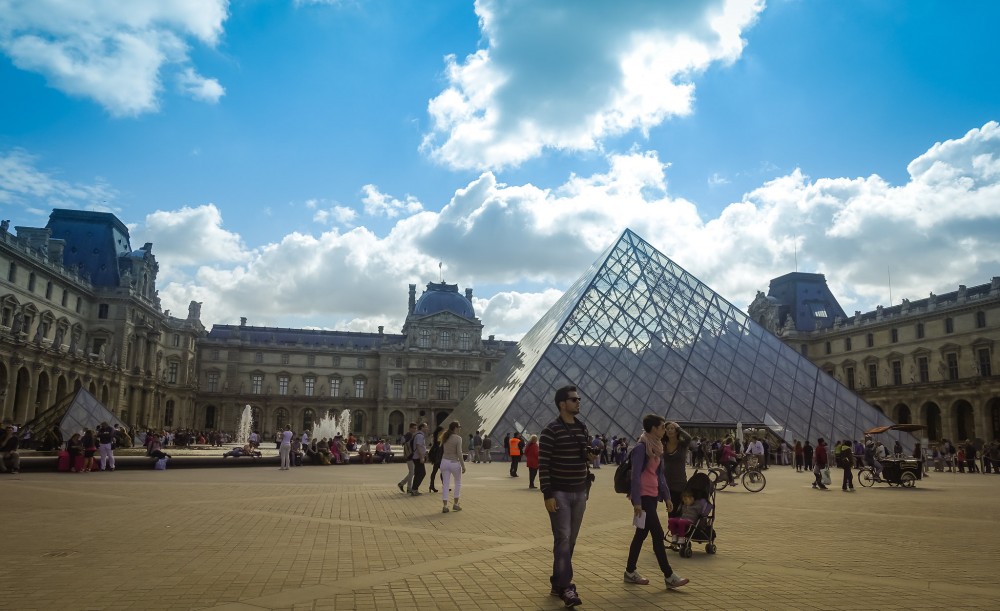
964 422
901 414
932 420
358 422
440 417
22 395
993 412
395 427
210 417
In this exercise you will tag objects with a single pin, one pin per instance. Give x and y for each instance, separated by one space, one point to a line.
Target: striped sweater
562 457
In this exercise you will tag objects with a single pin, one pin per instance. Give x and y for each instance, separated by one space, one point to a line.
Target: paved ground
345 538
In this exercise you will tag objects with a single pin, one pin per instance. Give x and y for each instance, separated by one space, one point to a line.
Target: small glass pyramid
637 334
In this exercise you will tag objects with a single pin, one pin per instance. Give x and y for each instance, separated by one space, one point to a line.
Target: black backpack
623 475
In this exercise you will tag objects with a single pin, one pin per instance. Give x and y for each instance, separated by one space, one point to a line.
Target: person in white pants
105 437
285 449
452 465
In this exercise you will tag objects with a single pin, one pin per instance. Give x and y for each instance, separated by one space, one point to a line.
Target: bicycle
747 471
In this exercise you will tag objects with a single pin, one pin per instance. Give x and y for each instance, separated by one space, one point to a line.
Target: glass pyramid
637 334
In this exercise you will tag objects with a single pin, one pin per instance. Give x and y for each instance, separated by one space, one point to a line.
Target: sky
300 162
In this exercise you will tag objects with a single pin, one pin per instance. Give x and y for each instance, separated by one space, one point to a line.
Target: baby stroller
703 529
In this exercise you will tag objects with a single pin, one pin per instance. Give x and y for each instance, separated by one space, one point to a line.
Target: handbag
161 464
827 480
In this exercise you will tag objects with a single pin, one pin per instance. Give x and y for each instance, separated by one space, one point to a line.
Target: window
334 387
897 373
359 388
804 349
980 320
463 388
98 342
894 335
828 348
847 344
311 360
422 386
31 282
258 357
176 340
464 366
870 340
282 385
872 375
310 386
952 359
489 365
168 414
949 325
819 310
443 389
172 368
102 310
922 369
463 341
65 297
79 304
213 381
256 383
48 290
308 419
920 330
445 341
361 362
985 368
399 361
215 355
397 389
284 359
12 272
850 377
424 339
336 361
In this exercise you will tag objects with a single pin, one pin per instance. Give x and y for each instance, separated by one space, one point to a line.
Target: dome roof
441 297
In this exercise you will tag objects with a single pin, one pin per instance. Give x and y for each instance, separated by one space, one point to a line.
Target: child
691 511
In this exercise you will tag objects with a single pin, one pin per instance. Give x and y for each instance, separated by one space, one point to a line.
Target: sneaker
823 487
456 508
570 598
674 581
815 486
636 578
444 510
415 493
401 489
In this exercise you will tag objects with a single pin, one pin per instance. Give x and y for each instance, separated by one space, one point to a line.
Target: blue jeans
566 523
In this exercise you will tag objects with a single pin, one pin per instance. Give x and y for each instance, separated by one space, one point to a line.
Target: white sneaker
635 577
675 581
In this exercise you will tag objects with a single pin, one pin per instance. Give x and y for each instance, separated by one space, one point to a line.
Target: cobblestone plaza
345 538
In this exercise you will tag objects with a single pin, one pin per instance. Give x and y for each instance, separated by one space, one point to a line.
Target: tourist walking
435 456
819 463
404 484
285 447
418 458
515 444
649 488
845 460
105 445
563 455
452 466
487 449
531 459
675 444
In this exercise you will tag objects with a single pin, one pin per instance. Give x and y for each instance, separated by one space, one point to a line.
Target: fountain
330 426
246 426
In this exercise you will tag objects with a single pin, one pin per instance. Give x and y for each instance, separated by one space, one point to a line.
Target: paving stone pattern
316 538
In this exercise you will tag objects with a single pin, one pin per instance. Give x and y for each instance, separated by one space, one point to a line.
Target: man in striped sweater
563 455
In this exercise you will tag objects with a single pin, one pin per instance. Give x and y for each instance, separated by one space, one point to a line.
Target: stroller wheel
686 551
710 548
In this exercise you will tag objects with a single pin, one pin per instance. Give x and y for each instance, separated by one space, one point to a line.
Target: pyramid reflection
638 334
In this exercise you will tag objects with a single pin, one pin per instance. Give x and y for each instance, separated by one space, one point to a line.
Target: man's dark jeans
566 522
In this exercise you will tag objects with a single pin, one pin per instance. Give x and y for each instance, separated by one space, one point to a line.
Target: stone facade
79 308
930 361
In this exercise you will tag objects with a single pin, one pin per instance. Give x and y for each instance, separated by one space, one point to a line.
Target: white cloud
189 236
24 186
113 51
379 204
566 75
337 215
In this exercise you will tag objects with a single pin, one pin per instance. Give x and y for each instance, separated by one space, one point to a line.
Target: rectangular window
256 383
850 377
282 385
336 361
310 386
334 387
870 340
422 387
894 334
847 344
65 297
397 389
444 342
923 370
172 372
985 367
48 290
463 388
980 320
361 362
897 373
359 388
804 349
952 359
213 381
399 362
873 375
215 355
920 330
258 357
949 325
284 359
102 310
463 341
489 365
311 360
828 347
177 340
12 273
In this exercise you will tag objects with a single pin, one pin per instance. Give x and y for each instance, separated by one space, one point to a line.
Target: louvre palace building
929 361
79 309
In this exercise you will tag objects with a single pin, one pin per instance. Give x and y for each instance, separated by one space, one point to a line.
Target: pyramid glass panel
637 334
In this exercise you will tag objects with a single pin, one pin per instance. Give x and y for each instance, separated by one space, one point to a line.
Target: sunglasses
574 399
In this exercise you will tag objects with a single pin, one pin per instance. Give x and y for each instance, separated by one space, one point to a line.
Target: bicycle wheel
907 479
721 482
754 481
866 478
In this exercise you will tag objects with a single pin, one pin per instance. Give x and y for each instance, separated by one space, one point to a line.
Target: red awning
909 428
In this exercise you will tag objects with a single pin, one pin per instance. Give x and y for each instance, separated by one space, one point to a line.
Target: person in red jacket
820 462
531 458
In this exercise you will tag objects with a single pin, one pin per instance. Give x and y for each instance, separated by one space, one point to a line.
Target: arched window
424 339
209 416
358 422
443 389
308 419
280 419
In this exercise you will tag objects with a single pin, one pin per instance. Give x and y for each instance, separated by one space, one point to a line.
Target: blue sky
301 162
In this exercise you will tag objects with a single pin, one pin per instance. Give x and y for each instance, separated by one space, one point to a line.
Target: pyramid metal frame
638 334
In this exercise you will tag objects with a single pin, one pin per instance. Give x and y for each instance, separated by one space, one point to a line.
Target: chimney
413 297
468 294
380 328
243 321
